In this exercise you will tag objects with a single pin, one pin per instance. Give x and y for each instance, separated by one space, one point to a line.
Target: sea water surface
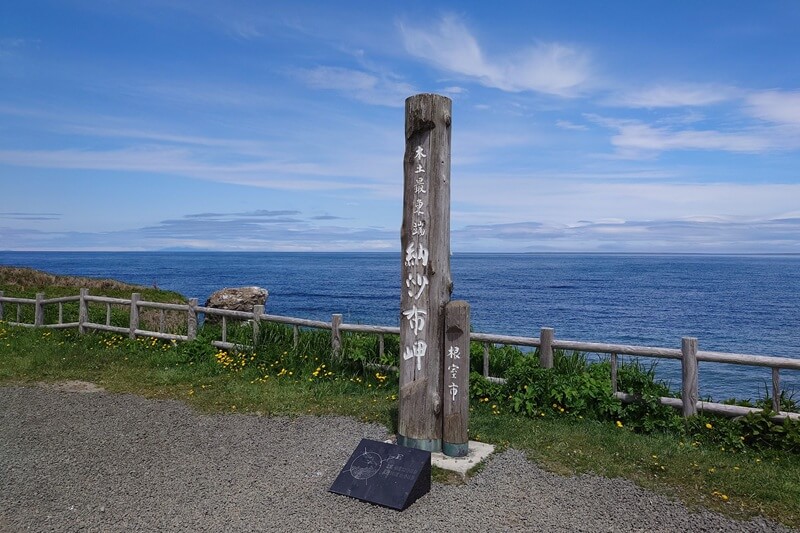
743 304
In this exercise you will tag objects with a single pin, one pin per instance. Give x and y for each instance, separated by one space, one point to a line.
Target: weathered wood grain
425 268
455 436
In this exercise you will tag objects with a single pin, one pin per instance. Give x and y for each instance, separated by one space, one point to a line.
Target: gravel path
94 461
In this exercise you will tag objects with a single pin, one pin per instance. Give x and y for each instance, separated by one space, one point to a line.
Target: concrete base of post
478 452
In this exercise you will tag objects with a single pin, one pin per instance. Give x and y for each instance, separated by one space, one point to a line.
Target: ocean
743 303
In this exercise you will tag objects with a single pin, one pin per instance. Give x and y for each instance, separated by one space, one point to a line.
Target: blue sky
278 126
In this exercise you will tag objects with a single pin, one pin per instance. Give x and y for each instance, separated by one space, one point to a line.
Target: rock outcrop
236 299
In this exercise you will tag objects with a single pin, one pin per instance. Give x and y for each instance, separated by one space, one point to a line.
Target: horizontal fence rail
688 354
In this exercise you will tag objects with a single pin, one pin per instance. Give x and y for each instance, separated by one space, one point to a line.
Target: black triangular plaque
385 474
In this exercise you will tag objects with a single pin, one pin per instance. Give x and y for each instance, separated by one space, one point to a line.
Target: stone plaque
385 474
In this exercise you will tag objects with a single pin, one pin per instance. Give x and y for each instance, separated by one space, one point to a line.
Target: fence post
689 391
455 437
336 335
1 305
83 311
38 314
546 347
134 314
295 336
776 390
486 359
258 310
613 373
381 347
191 319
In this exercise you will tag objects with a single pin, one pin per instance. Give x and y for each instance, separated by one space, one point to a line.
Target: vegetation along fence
688 354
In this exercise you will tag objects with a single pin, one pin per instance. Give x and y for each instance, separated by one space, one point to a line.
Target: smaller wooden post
162 320
689 388
776 390
546 347
224 328
295 336
1 305
381 347
38 314
613 373
455 437
486 359
134 314
191 319
258 310
108 314
336 335
60 312
83 311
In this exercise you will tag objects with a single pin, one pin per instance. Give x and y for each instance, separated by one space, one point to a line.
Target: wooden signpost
455 437
425 280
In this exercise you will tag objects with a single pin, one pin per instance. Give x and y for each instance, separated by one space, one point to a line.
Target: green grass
742 483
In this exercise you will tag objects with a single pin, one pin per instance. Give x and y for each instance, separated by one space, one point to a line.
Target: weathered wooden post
336 335
546 347
38 314
455 436
613 373
689 390
83 311
776 390
258 310
191 320
134 314
425 269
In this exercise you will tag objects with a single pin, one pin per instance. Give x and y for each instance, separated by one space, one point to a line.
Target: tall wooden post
425 267
455 437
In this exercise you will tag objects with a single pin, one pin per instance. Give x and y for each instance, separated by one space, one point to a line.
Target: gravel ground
94 461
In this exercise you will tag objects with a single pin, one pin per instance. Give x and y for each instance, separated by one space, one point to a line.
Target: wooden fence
688 354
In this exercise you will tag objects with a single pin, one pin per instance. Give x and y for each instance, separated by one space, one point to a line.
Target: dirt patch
72 386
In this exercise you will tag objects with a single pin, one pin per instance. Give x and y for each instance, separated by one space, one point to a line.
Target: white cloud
781 107
247 231
676 95
637 139
283 175
360 85
565 199
567 125
664 235
551 68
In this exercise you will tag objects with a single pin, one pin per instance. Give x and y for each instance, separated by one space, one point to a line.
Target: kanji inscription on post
425 269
